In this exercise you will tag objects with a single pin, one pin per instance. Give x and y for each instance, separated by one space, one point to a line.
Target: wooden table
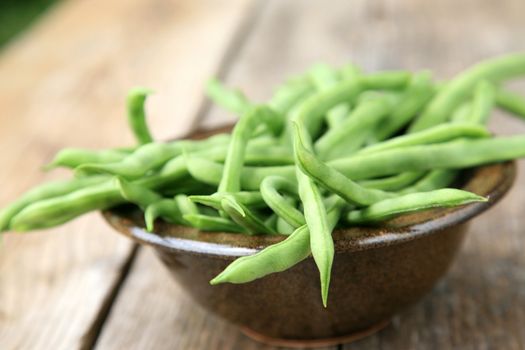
63 83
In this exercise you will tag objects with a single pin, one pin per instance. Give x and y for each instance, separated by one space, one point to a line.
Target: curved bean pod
380 211
270 188
137 115
231 99
74 157
435 134
482 103
231 176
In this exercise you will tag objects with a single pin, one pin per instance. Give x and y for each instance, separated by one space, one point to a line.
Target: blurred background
65 69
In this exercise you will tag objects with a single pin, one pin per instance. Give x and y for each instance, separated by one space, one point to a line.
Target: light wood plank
63 84
480 303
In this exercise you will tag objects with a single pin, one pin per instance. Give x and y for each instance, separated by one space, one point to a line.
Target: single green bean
439 133
74 157
449 97
315 213
243 130
270 188
380 211
231 99
137 115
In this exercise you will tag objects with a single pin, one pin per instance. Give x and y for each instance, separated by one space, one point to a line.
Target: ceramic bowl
377 271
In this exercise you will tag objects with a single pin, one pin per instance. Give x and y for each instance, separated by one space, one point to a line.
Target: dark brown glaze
377 271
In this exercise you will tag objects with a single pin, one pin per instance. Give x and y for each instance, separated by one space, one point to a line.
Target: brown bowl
376 272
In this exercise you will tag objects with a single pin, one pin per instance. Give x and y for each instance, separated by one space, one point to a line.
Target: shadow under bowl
377 271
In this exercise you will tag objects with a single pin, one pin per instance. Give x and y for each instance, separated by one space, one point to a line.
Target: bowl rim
396 231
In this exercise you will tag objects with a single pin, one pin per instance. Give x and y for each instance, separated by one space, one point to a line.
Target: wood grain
481 303
63 84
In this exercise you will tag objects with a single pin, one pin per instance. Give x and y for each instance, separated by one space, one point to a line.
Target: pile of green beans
333 147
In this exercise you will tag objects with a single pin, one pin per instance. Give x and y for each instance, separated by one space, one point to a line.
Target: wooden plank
63 84
481 303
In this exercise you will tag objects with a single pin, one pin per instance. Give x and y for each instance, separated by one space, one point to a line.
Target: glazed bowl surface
377 271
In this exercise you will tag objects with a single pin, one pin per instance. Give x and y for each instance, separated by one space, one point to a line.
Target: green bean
245 217
332 179
231 177
321 242
439 133
418 93
212 223
137 194
55 211
380 211
493 70
482 103
277 257
251 199
74 157
394 182
270 188
137 115
165 208
386 80
511 102
231 99
43 192
434 180
352 133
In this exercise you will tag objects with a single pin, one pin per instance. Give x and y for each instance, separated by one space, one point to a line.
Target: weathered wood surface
64 84
479 305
